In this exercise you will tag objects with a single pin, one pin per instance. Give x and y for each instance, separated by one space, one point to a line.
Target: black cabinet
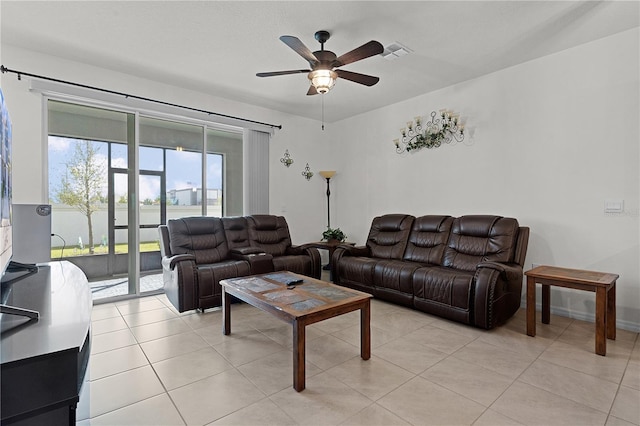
44 361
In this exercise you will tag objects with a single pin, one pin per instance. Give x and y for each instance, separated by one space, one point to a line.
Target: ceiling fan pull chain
322 97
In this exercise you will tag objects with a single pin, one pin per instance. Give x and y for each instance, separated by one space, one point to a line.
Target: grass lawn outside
56 252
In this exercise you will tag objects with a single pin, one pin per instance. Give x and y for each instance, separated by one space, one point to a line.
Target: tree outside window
83 184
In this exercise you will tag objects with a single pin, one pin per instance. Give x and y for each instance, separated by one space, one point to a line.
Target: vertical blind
256 172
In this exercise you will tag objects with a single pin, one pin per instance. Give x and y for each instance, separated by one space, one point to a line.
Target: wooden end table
300 305
331 246
603 284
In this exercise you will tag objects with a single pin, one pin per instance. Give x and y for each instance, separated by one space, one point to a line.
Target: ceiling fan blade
274 73
300 48
367 80
312 91
365 51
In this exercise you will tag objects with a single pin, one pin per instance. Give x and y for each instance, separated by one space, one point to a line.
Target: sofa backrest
270 233
428 239
165 243
388 235
480 238
236 231
521 245
201 236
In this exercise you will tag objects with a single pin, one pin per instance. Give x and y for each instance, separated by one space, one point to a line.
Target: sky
183 167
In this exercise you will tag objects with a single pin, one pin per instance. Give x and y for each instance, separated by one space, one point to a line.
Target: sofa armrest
243 251
510 271
180 281
304 246
295 250
497 293
304 249
312 252
347 250
170 262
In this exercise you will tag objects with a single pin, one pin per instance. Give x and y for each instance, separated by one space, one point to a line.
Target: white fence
70 224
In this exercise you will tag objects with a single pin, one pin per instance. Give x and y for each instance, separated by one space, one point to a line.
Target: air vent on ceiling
395 51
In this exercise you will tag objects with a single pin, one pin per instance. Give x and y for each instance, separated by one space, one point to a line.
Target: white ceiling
217 47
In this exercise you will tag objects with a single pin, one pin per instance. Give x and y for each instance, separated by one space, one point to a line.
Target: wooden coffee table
306 303
603 284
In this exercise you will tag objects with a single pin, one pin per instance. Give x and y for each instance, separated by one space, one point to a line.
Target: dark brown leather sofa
198 252
467 269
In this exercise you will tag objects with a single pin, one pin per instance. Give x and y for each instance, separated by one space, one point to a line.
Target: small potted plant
334 235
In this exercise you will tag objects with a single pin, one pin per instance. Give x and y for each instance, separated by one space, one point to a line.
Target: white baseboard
584 316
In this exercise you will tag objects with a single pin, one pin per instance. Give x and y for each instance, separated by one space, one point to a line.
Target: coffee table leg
298 356
365 331
226 312
601 320
611 312
531 306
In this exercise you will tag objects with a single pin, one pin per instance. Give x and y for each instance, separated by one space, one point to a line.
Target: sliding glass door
115 176
85 145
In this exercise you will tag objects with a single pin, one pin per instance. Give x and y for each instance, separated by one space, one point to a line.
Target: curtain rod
126 95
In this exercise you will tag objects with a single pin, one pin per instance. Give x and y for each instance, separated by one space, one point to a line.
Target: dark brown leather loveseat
468 269
198 252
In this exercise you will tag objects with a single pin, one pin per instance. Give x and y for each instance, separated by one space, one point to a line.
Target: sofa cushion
480 238
209 276
270 233
428 239
442 285
200 236
394 276
298 264
388 235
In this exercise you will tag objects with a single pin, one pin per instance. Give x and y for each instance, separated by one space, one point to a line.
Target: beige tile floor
153 366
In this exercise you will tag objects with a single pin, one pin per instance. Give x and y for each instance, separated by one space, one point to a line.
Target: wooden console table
603 284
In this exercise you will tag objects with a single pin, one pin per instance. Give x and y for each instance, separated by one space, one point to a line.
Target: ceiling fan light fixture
323 80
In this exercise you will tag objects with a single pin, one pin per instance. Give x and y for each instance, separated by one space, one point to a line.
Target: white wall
548 142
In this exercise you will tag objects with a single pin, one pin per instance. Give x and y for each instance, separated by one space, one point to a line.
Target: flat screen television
6 230
5 188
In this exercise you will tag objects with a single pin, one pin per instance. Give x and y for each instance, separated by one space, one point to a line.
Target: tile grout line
621 380
490 407
553 393
150 364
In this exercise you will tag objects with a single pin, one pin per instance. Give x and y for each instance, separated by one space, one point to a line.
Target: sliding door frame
133 175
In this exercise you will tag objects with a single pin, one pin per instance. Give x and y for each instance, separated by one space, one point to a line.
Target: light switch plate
613 206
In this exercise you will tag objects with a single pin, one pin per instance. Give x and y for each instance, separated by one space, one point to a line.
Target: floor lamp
328 174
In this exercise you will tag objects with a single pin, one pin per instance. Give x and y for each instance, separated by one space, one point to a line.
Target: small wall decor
443 127
307 173
286 160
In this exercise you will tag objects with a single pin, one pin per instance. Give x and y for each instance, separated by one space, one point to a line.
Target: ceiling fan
323 74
